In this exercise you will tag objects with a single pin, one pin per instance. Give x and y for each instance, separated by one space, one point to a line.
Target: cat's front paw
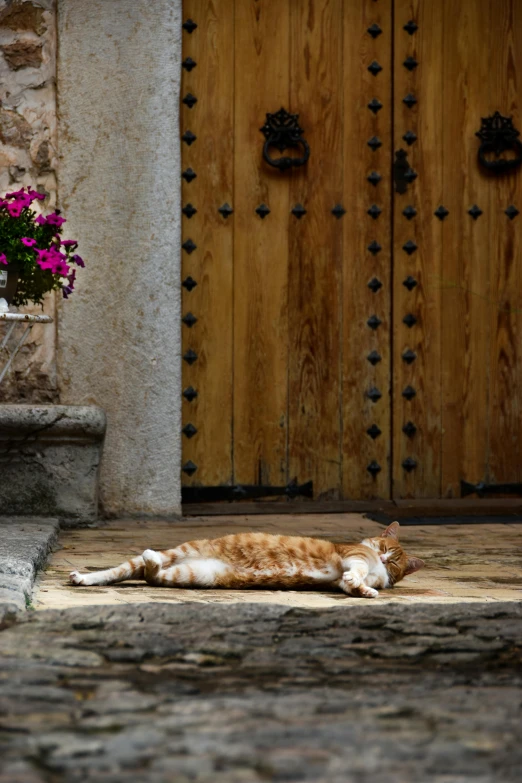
75 578
151 558
351 579
368 592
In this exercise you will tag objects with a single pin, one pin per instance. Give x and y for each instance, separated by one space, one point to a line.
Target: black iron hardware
409 283
374 468
409 429
189 100
374 322
244 492
410 63
410 176
409 320
226 210
409 137
189 468
188 175
409 247
409 393
190 356
189 137
411 27
374 30
338 211
475 212
190 393
262 210
375 105
374 394
410 100
481 489
374 248
374 143
189 283
299 211
374 285
441 212
374 357
189 430
189 26
511 212
374 431
189 320
409 356
189 246
189 211
281 130
374 211
400 169
498 135
409 212
409 464
375 68
188 64
374 178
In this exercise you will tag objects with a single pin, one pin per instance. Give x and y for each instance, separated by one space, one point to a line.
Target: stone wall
119 336
28 156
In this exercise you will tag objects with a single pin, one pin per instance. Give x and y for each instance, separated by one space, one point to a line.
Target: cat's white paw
351 579
151 558
368 592
75 578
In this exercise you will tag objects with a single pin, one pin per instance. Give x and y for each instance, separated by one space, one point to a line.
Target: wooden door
306 356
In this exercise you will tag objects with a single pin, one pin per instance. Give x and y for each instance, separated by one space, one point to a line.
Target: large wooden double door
355 321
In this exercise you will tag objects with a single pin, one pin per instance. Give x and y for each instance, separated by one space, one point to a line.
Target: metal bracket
281 130
482 489
245 492
498 134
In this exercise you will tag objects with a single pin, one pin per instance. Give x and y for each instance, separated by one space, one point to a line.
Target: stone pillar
119 341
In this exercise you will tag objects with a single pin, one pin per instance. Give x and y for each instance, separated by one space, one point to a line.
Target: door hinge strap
244 492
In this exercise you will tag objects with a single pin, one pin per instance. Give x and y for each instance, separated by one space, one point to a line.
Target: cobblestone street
244 692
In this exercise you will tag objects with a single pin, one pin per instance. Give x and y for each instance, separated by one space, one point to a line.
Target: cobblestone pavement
240 693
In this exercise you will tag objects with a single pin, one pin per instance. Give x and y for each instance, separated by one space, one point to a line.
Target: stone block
49 461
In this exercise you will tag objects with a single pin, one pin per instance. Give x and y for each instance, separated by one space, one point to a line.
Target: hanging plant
33 252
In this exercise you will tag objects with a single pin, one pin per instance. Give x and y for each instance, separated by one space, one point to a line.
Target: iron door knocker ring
498 135
281 130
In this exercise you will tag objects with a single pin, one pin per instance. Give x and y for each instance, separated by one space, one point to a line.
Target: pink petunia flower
28 242
14 209
54 219
35 195
69 242
41 220
3 258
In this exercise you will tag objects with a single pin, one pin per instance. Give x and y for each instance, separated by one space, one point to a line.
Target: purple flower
69 242
35 195
41 220
54 219
28 242
78 260
66 290
15 209
3 258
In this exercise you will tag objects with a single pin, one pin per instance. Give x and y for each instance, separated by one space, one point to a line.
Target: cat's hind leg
191 572
131 569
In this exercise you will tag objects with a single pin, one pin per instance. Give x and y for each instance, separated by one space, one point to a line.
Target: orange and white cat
247 560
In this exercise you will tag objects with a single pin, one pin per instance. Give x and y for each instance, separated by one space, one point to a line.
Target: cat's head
398 564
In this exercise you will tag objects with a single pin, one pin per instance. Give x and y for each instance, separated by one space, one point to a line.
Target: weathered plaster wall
28 157
119 186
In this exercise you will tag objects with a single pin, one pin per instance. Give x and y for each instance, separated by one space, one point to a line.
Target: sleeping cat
247 560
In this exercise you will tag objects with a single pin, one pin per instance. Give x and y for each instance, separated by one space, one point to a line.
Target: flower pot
9 277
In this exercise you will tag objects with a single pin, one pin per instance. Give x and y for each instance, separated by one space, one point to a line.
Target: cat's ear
414 564
392 531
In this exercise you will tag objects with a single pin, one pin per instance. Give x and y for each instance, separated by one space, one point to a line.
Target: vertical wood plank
424 195
210 265
505 403
261 246
315 247
360 266
467 260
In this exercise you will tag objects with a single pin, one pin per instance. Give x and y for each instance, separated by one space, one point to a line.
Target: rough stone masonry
246 693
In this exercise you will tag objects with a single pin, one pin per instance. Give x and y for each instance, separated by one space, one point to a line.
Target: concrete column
119 341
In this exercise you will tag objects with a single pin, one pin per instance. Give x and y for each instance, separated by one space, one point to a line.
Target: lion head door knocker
499 135
281 130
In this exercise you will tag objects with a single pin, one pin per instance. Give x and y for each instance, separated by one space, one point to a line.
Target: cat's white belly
378 577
